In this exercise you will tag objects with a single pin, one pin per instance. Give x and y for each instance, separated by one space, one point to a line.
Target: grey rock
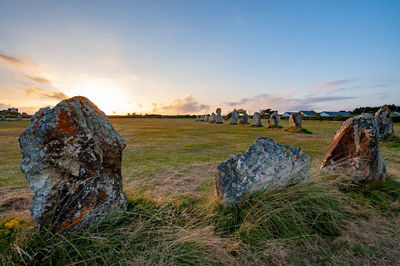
197 118
202 117
245 119
385 122
3 118
274 119
219 116
71 157
295 120
257 119
355 152
234 117
19 117
265 165
213 117
206 118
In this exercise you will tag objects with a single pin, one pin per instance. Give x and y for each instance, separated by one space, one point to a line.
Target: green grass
175 218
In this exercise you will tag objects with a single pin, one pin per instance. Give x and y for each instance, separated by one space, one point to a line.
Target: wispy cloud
38 79
46 94
382 95
11 60
187 105
379 86
333 83
284 102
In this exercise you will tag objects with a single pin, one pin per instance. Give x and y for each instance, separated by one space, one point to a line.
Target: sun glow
107 97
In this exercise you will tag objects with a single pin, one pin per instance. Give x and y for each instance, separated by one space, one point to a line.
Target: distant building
307 113
287 114
335 114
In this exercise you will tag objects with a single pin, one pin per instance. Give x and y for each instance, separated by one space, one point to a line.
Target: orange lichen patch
67 224
287 152
35 126
64 123
82 103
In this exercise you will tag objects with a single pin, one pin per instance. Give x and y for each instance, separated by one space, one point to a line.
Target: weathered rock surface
295 120
257 119
385 122
354 150
274 119
219 116
213 117
71 156
245 119
234 117
265 165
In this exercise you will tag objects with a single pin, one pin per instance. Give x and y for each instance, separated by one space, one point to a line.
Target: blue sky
195 56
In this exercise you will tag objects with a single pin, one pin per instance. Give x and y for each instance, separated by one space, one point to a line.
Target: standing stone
354 150
234 117
197 118
71 156
219 116
3 118
257 120
19 117
245 119
213 117
265 165
295 120
206 118
273 120
385 122
202 118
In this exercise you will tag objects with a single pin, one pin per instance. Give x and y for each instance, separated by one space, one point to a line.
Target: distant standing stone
234 117
295 120
354 150
3 117
274 119
385 122
265 165
197 118
19 117
202 118
213 117
206 118
257 119
71 156
245 119
219 116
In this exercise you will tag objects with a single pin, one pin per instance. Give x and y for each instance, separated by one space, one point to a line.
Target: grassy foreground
175 218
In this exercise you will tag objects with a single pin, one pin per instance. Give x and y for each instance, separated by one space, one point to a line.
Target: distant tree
241 111
266 113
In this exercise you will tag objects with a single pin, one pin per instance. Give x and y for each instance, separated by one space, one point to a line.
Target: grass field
172 162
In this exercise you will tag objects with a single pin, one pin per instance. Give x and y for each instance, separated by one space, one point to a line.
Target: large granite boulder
354 150
385 122
71 157
273 120
265 165
213 117
234 117
257 120
219 116
244 120
295 120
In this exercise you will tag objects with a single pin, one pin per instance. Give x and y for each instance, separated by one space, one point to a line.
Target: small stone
244 120
385 122
355 152
71 156
295 120
219 116
234 117
257 120
274 119
264 166
213 117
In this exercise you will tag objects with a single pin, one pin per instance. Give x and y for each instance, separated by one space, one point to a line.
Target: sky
190 57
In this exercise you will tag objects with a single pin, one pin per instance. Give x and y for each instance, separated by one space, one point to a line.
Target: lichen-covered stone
234 117
274 119
385 122
295 120
213 117
354 150
219 116
244 120
71 156
257 119
265 165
